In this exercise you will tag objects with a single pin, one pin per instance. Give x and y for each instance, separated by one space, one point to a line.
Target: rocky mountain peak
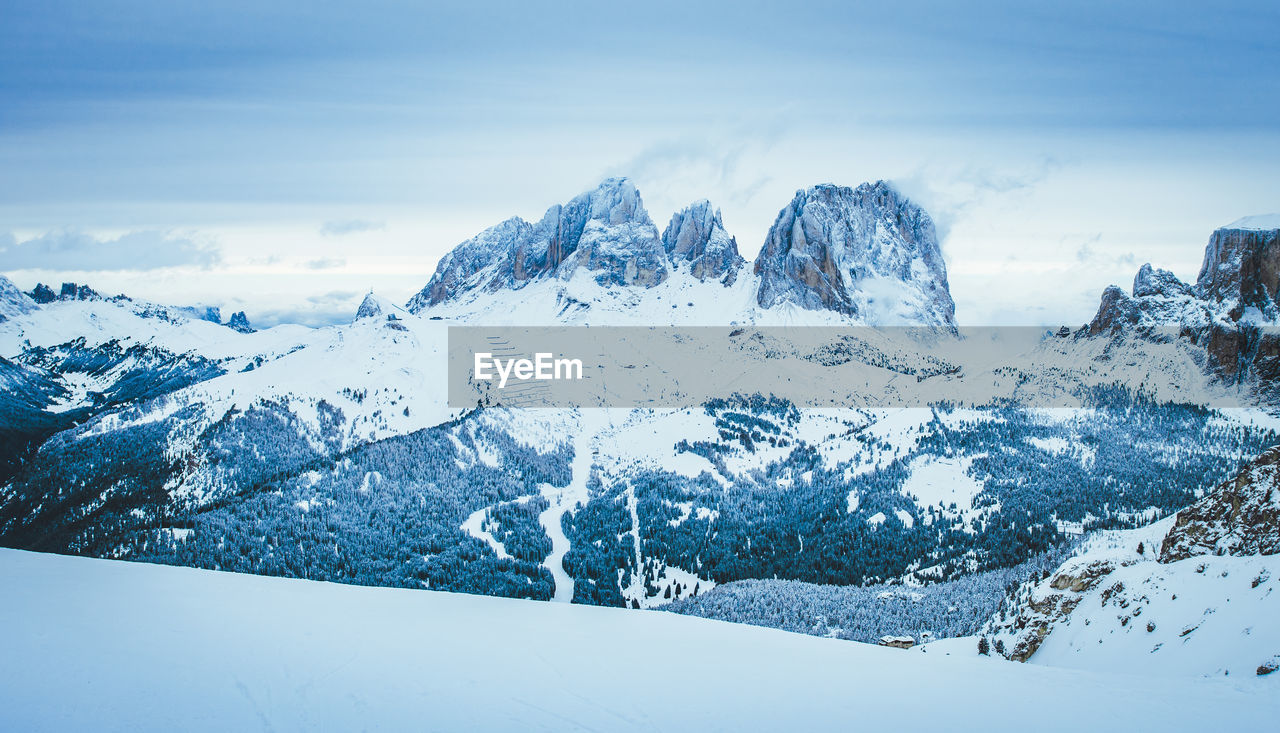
1241 268
43 294
473 263
1240 275
374 306
867 252
1154 281
605 231
370 307
240 322
70 291
696 237
614 202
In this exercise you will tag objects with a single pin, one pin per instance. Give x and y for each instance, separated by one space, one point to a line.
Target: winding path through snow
590 422
474 526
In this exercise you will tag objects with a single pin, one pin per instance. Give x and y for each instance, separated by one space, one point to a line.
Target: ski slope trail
590 423
474 526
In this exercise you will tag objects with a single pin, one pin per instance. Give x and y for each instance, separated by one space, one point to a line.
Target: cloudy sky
284 158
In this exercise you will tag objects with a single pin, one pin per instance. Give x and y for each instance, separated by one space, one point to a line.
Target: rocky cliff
866 252
1239 517
1230 312
606 232
1189 588
863 255
696 239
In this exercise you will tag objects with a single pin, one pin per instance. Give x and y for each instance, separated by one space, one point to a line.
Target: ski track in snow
474 526
564 499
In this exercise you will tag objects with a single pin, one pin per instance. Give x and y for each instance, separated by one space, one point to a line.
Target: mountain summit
835 254
697 236
1241 269
606 232
865 252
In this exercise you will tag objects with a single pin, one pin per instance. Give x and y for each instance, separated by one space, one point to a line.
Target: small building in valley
898 642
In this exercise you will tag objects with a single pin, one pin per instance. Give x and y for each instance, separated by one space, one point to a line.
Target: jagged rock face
13 302
1159 299
866 252
70 291
240 322
1241 270
43 294
1235 292
1156 282
1240 517
472 260
696 238
605 231
1116 311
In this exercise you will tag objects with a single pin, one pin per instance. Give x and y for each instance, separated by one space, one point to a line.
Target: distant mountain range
166 434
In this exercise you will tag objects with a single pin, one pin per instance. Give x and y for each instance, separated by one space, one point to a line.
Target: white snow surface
107 645
1199 616
1261 222
939 481
1205 616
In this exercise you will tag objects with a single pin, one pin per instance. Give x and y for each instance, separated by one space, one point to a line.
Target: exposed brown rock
1240 517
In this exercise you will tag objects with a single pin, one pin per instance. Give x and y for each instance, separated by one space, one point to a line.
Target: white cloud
350 226
76 250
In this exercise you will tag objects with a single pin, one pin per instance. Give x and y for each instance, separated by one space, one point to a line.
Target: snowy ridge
1259 222
13 302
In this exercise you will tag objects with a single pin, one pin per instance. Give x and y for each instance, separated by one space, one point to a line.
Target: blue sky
287 159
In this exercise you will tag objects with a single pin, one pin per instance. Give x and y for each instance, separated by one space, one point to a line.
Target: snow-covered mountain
374 306
1230 314
866 252
605 233
13 302
835 256
696 239
1239 282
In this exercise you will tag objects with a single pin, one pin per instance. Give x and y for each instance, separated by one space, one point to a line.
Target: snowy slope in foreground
105 645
